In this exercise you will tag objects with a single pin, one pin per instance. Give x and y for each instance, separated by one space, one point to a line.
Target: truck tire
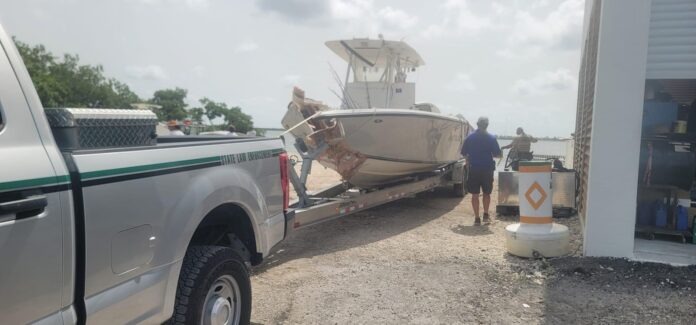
213 288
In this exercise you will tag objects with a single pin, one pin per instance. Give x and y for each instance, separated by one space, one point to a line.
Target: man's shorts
480 180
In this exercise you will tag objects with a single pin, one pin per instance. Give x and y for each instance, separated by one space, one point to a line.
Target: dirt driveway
420 261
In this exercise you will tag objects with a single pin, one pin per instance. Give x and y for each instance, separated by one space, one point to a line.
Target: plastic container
646 213
679 127
536 241
661 216
684 202
659 116
682 219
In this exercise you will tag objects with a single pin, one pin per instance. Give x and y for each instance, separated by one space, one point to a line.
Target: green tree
231 115
64 82
242 122
213 109
196 115
124 96
172 102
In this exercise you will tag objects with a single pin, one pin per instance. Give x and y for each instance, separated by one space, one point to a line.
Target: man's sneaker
477 221
486 218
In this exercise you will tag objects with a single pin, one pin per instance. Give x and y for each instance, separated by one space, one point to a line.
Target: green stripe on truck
34 182
145 168
56 180
250 156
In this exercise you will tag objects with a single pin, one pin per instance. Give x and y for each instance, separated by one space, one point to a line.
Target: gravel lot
420 261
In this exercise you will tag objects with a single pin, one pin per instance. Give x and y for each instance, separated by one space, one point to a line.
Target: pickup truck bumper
289 222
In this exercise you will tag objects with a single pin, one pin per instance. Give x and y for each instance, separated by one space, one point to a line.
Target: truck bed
133 203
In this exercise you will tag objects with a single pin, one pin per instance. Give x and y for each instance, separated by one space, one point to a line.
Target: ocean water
544 147
273 133
561 148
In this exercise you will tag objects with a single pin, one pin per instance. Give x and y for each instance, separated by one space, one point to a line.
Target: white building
626 43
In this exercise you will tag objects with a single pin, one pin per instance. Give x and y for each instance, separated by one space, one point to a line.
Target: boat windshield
365 73
393 72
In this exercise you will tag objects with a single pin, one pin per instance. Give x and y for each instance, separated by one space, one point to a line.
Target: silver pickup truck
149 233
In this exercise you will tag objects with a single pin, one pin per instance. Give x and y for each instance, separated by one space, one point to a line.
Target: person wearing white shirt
175 128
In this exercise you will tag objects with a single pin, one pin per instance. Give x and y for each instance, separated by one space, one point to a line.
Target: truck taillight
284 179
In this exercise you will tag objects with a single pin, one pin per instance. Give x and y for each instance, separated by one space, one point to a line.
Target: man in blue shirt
479 149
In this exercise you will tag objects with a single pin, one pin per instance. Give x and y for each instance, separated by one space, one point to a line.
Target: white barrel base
541 240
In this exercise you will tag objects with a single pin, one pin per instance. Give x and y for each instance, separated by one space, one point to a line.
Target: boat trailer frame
343 199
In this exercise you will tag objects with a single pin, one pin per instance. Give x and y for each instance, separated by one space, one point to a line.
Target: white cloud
517 53
359 17
465 19
194 4
461 82
501 9
147 2
291 79
258 101
539 3
396 18
198 4
458 20
470 50
40 14
433 31
146 72
198 71
531 36
363 17
246 47
349 9
545 82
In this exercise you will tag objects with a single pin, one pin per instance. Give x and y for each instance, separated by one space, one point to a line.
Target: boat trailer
343 199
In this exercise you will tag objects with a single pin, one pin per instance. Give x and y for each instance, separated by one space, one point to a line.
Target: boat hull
370 147
374 172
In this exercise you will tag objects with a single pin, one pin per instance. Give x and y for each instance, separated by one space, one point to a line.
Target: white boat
379 135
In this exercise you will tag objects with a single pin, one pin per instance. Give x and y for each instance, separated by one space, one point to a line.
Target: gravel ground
420 261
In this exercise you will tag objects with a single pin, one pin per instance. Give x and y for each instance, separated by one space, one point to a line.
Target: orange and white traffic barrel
535 192
536 235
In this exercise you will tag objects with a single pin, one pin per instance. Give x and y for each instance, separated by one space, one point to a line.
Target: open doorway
667 173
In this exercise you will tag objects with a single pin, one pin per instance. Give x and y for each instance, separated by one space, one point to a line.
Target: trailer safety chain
294 160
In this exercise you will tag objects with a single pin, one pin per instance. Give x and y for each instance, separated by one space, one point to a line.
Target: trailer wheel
460 189
213 288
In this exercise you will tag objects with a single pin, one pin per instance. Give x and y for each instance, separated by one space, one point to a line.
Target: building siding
672 40
585 105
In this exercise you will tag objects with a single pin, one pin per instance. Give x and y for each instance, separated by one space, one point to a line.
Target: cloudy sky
515 61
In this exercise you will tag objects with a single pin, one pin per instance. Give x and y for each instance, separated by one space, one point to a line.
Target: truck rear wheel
214 288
